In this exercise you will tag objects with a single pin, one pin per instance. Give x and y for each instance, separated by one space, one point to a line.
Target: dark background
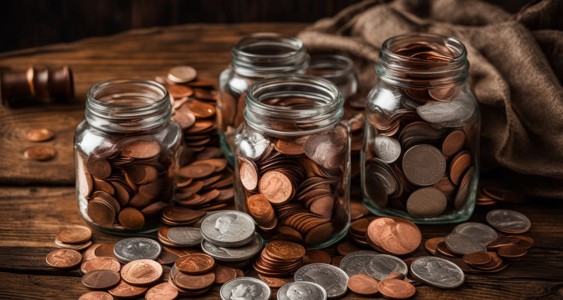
31 23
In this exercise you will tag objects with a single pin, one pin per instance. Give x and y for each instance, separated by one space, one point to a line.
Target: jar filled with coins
293 160
254 57
126 151
420 158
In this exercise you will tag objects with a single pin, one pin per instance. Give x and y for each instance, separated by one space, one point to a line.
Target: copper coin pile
279 259
394 236
75 237
36 85
193 274
128 185
40 152
492 195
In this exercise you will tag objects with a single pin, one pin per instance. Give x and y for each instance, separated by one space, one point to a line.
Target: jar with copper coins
420 158
126 153
293 160
254 57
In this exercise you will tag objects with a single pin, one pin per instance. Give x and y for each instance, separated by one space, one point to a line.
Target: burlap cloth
516 73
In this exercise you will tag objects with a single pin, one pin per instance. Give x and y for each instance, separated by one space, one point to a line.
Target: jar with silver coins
126 152
293 160
420 158
254 57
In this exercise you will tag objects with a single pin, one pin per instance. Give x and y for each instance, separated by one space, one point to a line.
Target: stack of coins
40 152
193 274
75 237
279 259
126 186
358 230
36 85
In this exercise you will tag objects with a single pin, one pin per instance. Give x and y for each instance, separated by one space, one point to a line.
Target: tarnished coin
141 149
63 258
328 149
228 228
302 290
185 236
453 143
39 135
508 221
135 248
396 289
101 279
424 165
245 288
125 290
426 202
182 74
373 264
437 272
233 254
100 263
141 272
196 263
162 291
387 148
96 295
461 244
40 153
363 284
478 232
331 278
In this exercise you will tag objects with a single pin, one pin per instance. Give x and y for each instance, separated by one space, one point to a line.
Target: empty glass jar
126 152
293 160
420 158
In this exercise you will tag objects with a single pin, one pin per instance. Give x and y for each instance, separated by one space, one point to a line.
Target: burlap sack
516 72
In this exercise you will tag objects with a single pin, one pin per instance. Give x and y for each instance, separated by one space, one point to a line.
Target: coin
245 287
426 202
75 234
328 149
512 251
162 291
285 250
39 135
437 272
363 285
141 272
423 165
131 218
477 258
135 248
387 149
228 228
459 165
453 143
396 289
462 244
248 175
63 258
276 187
96 295
193 282
100 279
316 256
182 74
196 263
302 290
141 149
125 290
233 254
373 264
185 236
224 273
478 232
40 153
252 145
395 236
331 278
508 221
431 244
100 263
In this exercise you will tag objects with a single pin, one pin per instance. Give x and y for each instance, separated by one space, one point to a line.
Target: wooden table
37 198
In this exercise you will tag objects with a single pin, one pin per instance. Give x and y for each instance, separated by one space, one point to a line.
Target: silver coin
508 221
373 264
387 149
184 236
462 244
478 232
135 248
245 288
331 278
233 254
252 144
453 113
437 272
302 290
229 228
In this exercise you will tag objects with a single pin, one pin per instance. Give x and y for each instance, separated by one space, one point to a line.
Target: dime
387 149
96 295
233 254
462 244
437 272
196 263
426 202
141 272
245 288
396 289
162 291
125 290
373 264
100 263
508 221
135 248
478 232
100 279
302 290
331 278
228 228
363 285
424 165
39 135
40 153
63 258
185 236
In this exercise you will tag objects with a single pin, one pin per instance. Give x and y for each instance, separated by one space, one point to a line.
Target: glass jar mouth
330 65
314 105
126 105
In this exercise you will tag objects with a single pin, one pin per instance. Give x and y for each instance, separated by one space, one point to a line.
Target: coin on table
233 254
141 272
426 202
373 264
224 273
387 148
508 221
363 284
331 278
396 289
182 74
478 232
185 236
96 295
437 272
461 244
63 258
196 263
245 288
39 135
101 279
125 290
302 290
40 153
100 263
135 248
228 228
424 165
162 291
77 234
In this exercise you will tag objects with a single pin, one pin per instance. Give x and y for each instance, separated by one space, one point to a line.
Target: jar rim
344 63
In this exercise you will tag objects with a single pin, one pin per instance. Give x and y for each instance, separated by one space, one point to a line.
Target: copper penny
453 143
141 272
346 248
443 249
39 135
248 175
77 247
477 258
316 256
131 218
162 291
285 250
125 290
196 263
197 171
260 209
358 210
96 295
104 250
100 263
40 153
100 279
90 252
182 74
460 163
179 91
363 284
98 167
274 282
77 234
185 118
336 260
100 212
224 273
276 187
63 258
194 282
512 251
141 149
431 244
394 235
201 109
423 165
396 289
289 147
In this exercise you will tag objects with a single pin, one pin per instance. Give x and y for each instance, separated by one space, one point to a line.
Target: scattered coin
363 285
125 290
141 272
196 263
302 290
101 279
478 232
437 272
40 153
373 264
512 251
162 291
396 289
233 254
395 236
224 273
185 236
477 258
63 258
96 295
100 263
431 244
508 221
245 287
331 278
462 244
228 228
40 135
130 249
182 74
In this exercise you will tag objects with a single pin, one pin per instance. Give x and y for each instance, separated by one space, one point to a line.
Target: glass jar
254 57
293 160
420 158
126 152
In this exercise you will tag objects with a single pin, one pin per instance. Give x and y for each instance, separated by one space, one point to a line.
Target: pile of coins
279 259
193 274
